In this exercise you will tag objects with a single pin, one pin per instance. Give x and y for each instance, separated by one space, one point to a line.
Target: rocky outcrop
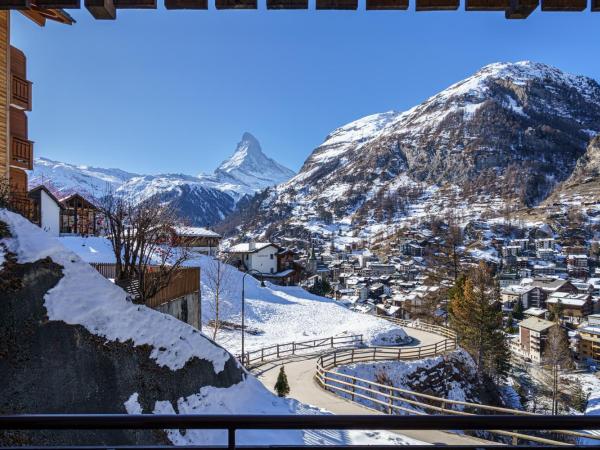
583 186
53 367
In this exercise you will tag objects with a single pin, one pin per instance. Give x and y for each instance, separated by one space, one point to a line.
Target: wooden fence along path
274 352
393 400
185 281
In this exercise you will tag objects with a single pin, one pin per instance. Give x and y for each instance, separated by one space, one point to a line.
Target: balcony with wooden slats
21 153
20 86
21 93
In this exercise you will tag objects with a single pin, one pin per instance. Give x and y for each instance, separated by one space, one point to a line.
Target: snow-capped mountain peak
202 200
251 167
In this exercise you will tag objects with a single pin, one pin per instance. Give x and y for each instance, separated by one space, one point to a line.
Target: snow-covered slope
202 200
275 314
509 133
115 325
87 180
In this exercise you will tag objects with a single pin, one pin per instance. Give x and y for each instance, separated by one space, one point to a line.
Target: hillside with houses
441 260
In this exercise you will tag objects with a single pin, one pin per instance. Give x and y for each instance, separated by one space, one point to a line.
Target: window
272 255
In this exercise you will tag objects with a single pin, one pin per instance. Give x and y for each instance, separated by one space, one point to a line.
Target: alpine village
438 261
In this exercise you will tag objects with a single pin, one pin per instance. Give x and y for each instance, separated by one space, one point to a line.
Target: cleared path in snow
300 372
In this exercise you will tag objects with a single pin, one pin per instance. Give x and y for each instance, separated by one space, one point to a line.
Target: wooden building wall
4 91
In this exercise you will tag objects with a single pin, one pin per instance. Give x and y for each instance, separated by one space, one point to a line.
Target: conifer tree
281 386
518 310
476 317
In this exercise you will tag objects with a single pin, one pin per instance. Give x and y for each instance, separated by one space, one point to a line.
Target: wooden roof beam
337 4
287 4
387 4
14 4
487 5
235 4
186 4
58 4
564 5
101 9
135 4
521 9
437 5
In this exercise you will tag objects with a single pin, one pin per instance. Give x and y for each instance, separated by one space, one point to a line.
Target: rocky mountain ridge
509 134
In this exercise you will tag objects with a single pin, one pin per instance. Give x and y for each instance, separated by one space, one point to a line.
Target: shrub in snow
281 386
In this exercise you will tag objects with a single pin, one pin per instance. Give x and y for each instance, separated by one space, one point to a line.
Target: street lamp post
262 284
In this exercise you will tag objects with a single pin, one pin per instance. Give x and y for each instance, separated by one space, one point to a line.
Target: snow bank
280 314
84 297
451 376
251 397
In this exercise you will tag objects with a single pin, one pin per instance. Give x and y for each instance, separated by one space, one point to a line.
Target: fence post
399 353
293 348
231 438
262 354
374 353
419 352
278 350
331 341
353 388
334 359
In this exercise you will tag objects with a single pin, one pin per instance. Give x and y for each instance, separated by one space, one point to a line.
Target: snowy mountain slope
509 133
92 351
88 180
202 200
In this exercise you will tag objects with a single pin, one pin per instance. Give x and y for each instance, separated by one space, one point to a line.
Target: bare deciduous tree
218 276
556 356
142 235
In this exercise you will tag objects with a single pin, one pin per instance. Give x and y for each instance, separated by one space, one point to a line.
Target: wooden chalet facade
79 216
16 149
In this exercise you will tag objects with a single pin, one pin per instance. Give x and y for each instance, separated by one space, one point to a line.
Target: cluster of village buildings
541 282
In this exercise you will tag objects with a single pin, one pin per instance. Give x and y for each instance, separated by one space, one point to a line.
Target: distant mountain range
201 200
509 134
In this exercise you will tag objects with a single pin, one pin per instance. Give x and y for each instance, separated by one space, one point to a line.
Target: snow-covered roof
196 232
536 324
250 247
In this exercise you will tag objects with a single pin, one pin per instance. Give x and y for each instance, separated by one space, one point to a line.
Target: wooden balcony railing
186 281
21 153
20 203
21 93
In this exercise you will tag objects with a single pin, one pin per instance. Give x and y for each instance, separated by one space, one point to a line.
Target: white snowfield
84 297
279 315
274 314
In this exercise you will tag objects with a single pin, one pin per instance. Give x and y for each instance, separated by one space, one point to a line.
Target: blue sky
172 91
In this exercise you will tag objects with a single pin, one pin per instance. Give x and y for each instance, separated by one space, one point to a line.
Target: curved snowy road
300 372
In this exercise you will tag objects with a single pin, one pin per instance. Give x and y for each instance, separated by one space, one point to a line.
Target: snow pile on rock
452 376
84 297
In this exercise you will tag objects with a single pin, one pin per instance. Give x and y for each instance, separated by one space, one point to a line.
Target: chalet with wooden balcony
16 150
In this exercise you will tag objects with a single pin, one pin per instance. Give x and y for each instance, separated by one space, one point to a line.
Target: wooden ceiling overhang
40 10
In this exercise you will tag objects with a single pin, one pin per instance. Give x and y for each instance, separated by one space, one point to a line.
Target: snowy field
279 314
103 310
274 314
